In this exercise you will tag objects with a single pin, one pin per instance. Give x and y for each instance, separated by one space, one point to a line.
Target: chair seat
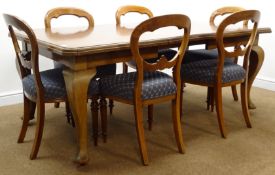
204 71
54 85
155 84
168 53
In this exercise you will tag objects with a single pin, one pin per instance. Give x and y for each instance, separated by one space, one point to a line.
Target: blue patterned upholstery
168 53
155 84
204 71
54 85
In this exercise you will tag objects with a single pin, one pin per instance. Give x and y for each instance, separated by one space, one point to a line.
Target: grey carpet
245 151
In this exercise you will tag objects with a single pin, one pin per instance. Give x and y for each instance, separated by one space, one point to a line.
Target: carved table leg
256 61
77 87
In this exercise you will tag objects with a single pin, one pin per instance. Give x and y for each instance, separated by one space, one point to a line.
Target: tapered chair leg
181 96
234 92
94 111
140 134
103 113
219 110
210 99
26 118
39 129
32 110
244 100
177 125
150 116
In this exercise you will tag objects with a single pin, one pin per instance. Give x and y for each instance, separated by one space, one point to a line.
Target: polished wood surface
106 44
222 12
254 16
61 11
225 11
27 63
180 22
71 11
131 8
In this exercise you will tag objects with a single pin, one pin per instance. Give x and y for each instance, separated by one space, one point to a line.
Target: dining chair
148 86
219 72
38 87
101 70
169 53
210 51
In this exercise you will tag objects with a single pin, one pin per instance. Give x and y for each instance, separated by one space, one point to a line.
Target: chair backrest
225 11
28 62
243 49
150 25
61 11
131 8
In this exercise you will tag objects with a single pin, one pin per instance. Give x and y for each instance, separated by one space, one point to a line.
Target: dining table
81 50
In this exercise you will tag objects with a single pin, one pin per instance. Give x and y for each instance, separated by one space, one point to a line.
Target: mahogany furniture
221 72
82 52
148 85
38 87
210 51
101 70
169 53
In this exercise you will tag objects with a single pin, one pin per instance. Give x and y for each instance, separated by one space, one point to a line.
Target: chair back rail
132 8
61 11
224 11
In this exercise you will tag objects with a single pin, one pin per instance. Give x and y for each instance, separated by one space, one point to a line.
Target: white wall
103 11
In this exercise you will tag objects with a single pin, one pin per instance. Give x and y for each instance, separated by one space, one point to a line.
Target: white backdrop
103 11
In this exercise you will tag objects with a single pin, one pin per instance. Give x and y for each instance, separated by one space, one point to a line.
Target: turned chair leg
94 110
111 106
103 113
210 99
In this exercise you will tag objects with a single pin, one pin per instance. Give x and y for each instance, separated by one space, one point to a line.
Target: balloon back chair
218 73
147 85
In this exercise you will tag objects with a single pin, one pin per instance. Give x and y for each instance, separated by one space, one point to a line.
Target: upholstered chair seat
155 84
54 85
204 71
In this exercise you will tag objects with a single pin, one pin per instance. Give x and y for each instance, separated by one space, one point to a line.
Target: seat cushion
204 71
155 84
54 85
168 53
